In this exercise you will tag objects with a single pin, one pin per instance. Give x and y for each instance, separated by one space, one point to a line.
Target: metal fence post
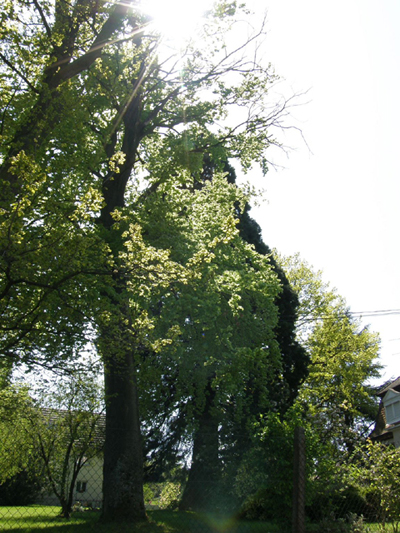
299 481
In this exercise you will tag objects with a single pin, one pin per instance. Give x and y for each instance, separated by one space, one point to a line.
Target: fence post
299 481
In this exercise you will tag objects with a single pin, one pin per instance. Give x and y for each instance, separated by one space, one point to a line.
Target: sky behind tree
336 201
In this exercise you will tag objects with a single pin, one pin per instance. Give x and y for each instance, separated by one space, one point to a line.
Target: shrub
170 495
376 467
265 504
338 501
21 489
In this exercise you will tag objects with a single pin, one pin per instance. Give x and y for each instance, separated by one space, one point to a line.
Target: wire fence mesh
289 499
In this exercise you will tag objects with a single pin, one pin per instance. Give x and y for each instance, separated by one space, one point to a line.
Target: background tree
56 434
228 353
336 394
21 475
335 405
221 337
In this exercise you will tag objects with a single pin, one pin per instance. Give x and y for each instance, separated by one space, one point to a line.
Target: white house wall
396 437
92 475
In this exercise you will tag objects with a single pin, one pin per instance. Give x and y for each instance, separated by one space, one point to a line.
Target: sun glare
176 20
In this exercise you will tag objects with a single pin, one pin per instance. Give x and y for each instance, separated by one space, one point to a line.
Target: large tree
243 356
226 318
92 122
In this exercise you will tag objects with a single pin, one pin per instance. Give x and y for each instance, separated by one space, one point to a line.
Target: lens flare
176 20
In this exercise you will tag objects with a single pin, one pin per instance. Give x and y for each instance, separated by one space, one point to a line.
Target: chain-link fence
275 492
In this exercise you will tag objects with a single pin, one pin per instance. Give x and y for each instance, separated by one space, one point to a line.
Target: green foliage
16 453
105 241
170 495
265 477
343 357
66 144
21 489
211 310
376 467
68 432
49 248
51 438
163 495
352 523
337 501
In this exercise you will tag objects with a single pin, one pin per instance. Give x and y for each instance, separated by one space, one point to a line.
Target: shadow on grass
159 522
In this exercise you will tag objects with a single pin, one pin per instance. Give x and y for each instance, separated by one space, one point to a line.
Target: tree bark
123 461
201 491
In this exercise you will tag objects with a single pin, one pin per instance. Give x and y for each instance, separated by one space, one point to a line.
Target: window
81 486
392 407
393 413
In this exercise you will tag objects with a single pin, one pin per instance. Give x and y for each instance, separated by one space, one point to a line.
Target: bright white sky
338 205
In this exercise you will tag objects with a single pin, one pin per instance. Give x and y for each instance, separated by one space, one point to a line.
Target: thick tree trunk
123 461
201 491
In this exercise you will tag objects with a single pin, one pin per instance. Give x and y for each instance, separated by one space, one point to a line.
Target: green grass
38 518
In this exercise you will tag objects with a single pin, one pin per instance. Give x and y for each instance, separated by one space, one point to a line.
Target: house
78 436
88 490
387 426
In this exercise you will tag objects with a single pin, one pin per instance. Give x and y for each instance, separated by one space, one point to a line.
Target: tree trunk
123 461
66 505
123 454
201 491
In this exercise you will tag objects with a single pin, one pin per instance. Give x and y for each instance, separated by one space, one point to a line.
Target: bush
376 467
266 505
329 524
338 502
170 495
21 489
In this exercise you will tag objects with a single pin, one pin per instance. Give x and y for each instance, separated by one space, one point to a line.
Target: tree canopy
101 134
122 228
337 393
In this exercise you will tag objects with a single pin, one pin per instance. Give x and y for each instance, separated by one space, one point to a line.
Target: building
387 426
88 491
73 437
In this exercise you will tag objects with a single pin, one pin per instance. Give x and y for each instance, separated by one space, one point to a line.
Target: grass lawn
38 518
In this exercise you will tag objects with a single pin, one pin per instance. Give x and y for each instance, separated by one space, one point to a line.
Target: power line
383 312
347 314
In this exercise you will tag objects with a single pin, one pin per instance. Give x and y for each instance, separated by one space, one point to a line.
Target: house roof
97 422
394 385
382 437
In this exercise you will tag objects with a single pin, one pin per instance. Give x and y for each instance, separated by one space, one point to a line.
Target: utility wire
347 314
383 312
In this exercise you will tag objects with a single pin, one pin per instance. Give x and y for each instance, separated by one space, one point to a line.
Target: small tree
376 467
67 431
61 430
335 395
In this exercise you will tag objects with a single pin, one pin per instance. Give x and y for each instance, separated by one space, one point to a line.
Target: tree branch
42 16
14 69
